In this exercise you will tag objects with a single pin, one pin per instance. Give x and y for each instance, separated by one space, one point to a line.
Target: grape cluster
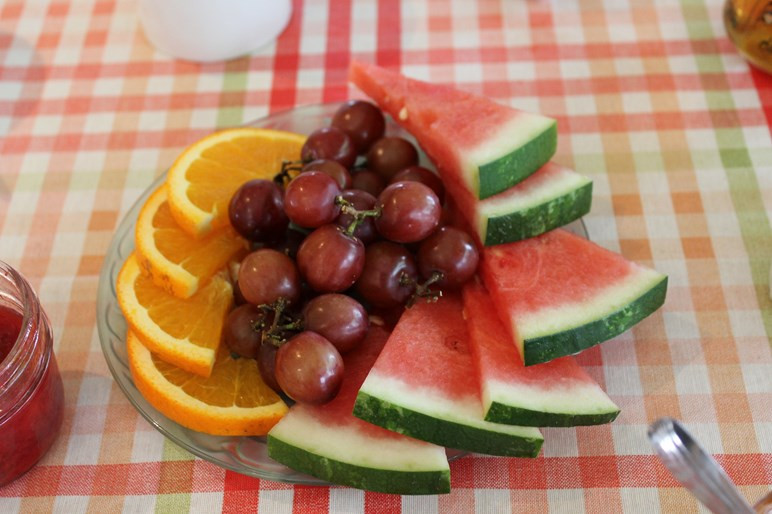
361 224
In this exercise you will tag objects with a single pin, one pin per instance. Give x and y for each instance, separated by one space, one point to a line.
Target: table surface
652 103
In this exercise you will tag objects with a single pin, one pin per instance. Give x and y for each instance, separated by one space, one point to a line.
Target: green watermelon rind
510 415
538 219
500 174
442 431
343 473
579 338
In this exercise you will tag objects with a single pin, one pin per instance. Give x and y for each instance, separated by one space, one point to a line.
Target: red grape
368 181
424 176
240 333
389 155
450 251
256 210
329 143
361 201
339 318
332 168
266 275
330 260
309 200
362 121
309 369
381 280
410 211
266 363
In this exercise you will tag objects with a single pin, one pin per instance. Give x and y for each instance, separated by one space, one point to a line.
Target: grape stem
283 177
282 322
422 290
347 207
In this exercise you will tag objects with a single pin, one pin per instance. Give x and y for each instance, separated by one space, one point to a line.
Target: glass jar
31 392
749 25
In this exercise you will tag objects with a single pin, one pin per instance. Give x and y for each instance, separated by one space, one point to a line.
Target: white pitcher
212 30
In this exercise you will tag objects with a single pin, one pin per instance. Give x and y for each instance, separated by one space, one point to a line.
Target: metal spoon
695 469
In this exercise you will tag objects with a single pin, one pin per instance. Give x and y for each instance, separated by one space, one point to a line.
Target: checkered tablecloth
652 102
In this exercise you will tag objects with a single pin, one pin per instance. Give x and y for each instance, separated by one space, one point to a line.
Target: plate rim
107 299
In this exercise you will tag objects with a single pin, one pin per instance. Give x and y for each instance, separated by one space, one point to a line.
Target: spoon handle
695 469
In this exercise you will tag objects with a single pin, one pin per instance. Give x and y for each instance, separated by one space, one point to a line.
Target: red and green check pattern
652 102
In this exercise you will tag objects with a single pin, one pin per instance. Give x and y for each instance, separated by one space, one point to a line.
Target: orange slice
183 332
178 262
234 400
204 177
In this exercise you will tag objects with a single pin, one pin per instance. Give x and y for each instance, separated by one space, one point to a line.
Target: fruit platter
359 293
246 455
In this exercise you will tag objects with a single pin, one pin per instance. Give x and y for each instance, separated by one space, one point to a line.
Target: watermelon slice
329 443
486 150
482 148
424 385
559 294
552 197
558 393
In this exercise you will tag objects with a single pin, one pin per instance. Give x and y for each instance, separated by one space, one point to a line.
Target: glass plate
247 455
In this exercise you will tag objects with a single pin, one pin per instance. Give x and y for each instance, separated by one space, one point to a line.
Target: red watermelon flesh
357 364
424 385
436 106
411 356
327 441
480 147
556 393
559 294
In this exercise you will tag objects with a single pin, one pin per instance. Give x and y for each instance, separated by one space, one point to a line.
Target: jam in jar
31 393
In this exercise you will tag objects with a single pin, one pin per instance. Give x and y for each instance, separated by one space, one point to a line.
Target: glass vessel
749 25
31 392
246 455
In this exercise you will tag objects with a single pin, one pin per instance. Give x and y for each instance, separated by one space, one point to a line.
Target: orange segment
183 332
178 262
204 177
234 400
